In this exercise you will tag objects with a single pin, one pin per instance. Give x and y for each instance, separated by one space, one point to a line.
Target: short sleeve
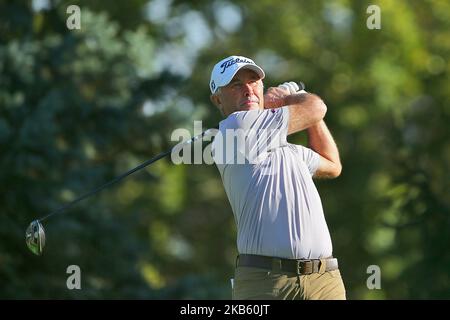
309 156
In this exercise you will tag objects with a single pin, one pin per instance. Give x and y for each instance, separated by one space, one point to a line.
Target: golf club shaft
122 176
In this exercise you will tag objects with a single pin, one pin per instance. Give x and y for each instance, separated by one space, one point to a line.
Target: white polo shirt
268 181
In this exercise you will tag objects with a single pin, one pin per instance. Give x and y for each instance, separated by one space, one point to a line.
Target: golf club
35 233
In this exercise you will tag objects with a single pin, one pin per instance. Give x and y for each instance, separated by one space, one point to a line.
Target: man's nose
248 90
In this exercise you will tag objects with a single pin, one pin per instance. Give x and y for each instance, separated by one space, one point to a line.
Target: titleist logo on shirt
232 61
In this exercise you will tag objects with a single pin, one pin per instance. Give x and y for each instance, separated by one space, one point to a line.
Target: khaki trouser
264 284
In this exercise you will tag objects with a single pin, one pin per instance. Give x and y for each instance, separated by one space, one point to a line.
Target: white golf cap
225 70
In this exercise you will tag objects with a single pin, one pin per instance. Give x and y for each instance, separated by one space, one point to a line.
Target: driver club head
35 237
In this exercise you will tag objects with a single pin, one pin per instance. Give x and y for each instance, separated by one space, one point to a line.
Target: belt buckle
300 267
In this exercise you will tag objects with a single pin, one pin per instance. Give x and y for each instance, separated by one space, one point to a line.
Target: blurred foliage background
79 107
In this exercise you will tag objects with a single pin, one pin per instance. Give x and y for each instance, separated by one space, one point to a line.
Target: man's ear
215 99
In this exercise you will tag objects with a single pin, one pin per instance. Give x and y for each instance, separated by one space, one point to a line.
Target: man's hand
293 87
275 97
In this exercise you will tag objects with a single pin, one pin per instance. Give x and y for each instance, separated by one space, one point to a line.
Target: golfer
285 249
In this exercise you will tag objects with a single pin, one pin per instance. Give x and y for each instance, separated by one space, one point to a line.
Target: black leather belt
300 267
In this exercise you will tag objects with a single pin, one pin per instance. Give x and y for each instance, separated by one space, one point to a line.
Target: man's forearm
305 110
322 142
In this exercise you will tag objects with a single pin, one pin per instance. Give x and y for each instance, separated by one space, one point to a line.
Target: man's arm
305 109
321 141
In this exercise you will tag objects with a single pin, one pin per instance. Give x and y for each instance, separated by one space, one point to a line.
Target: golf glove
293 87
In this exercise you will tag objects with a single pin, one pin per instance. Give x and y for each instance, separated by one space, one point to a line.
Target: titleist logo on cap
232 61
